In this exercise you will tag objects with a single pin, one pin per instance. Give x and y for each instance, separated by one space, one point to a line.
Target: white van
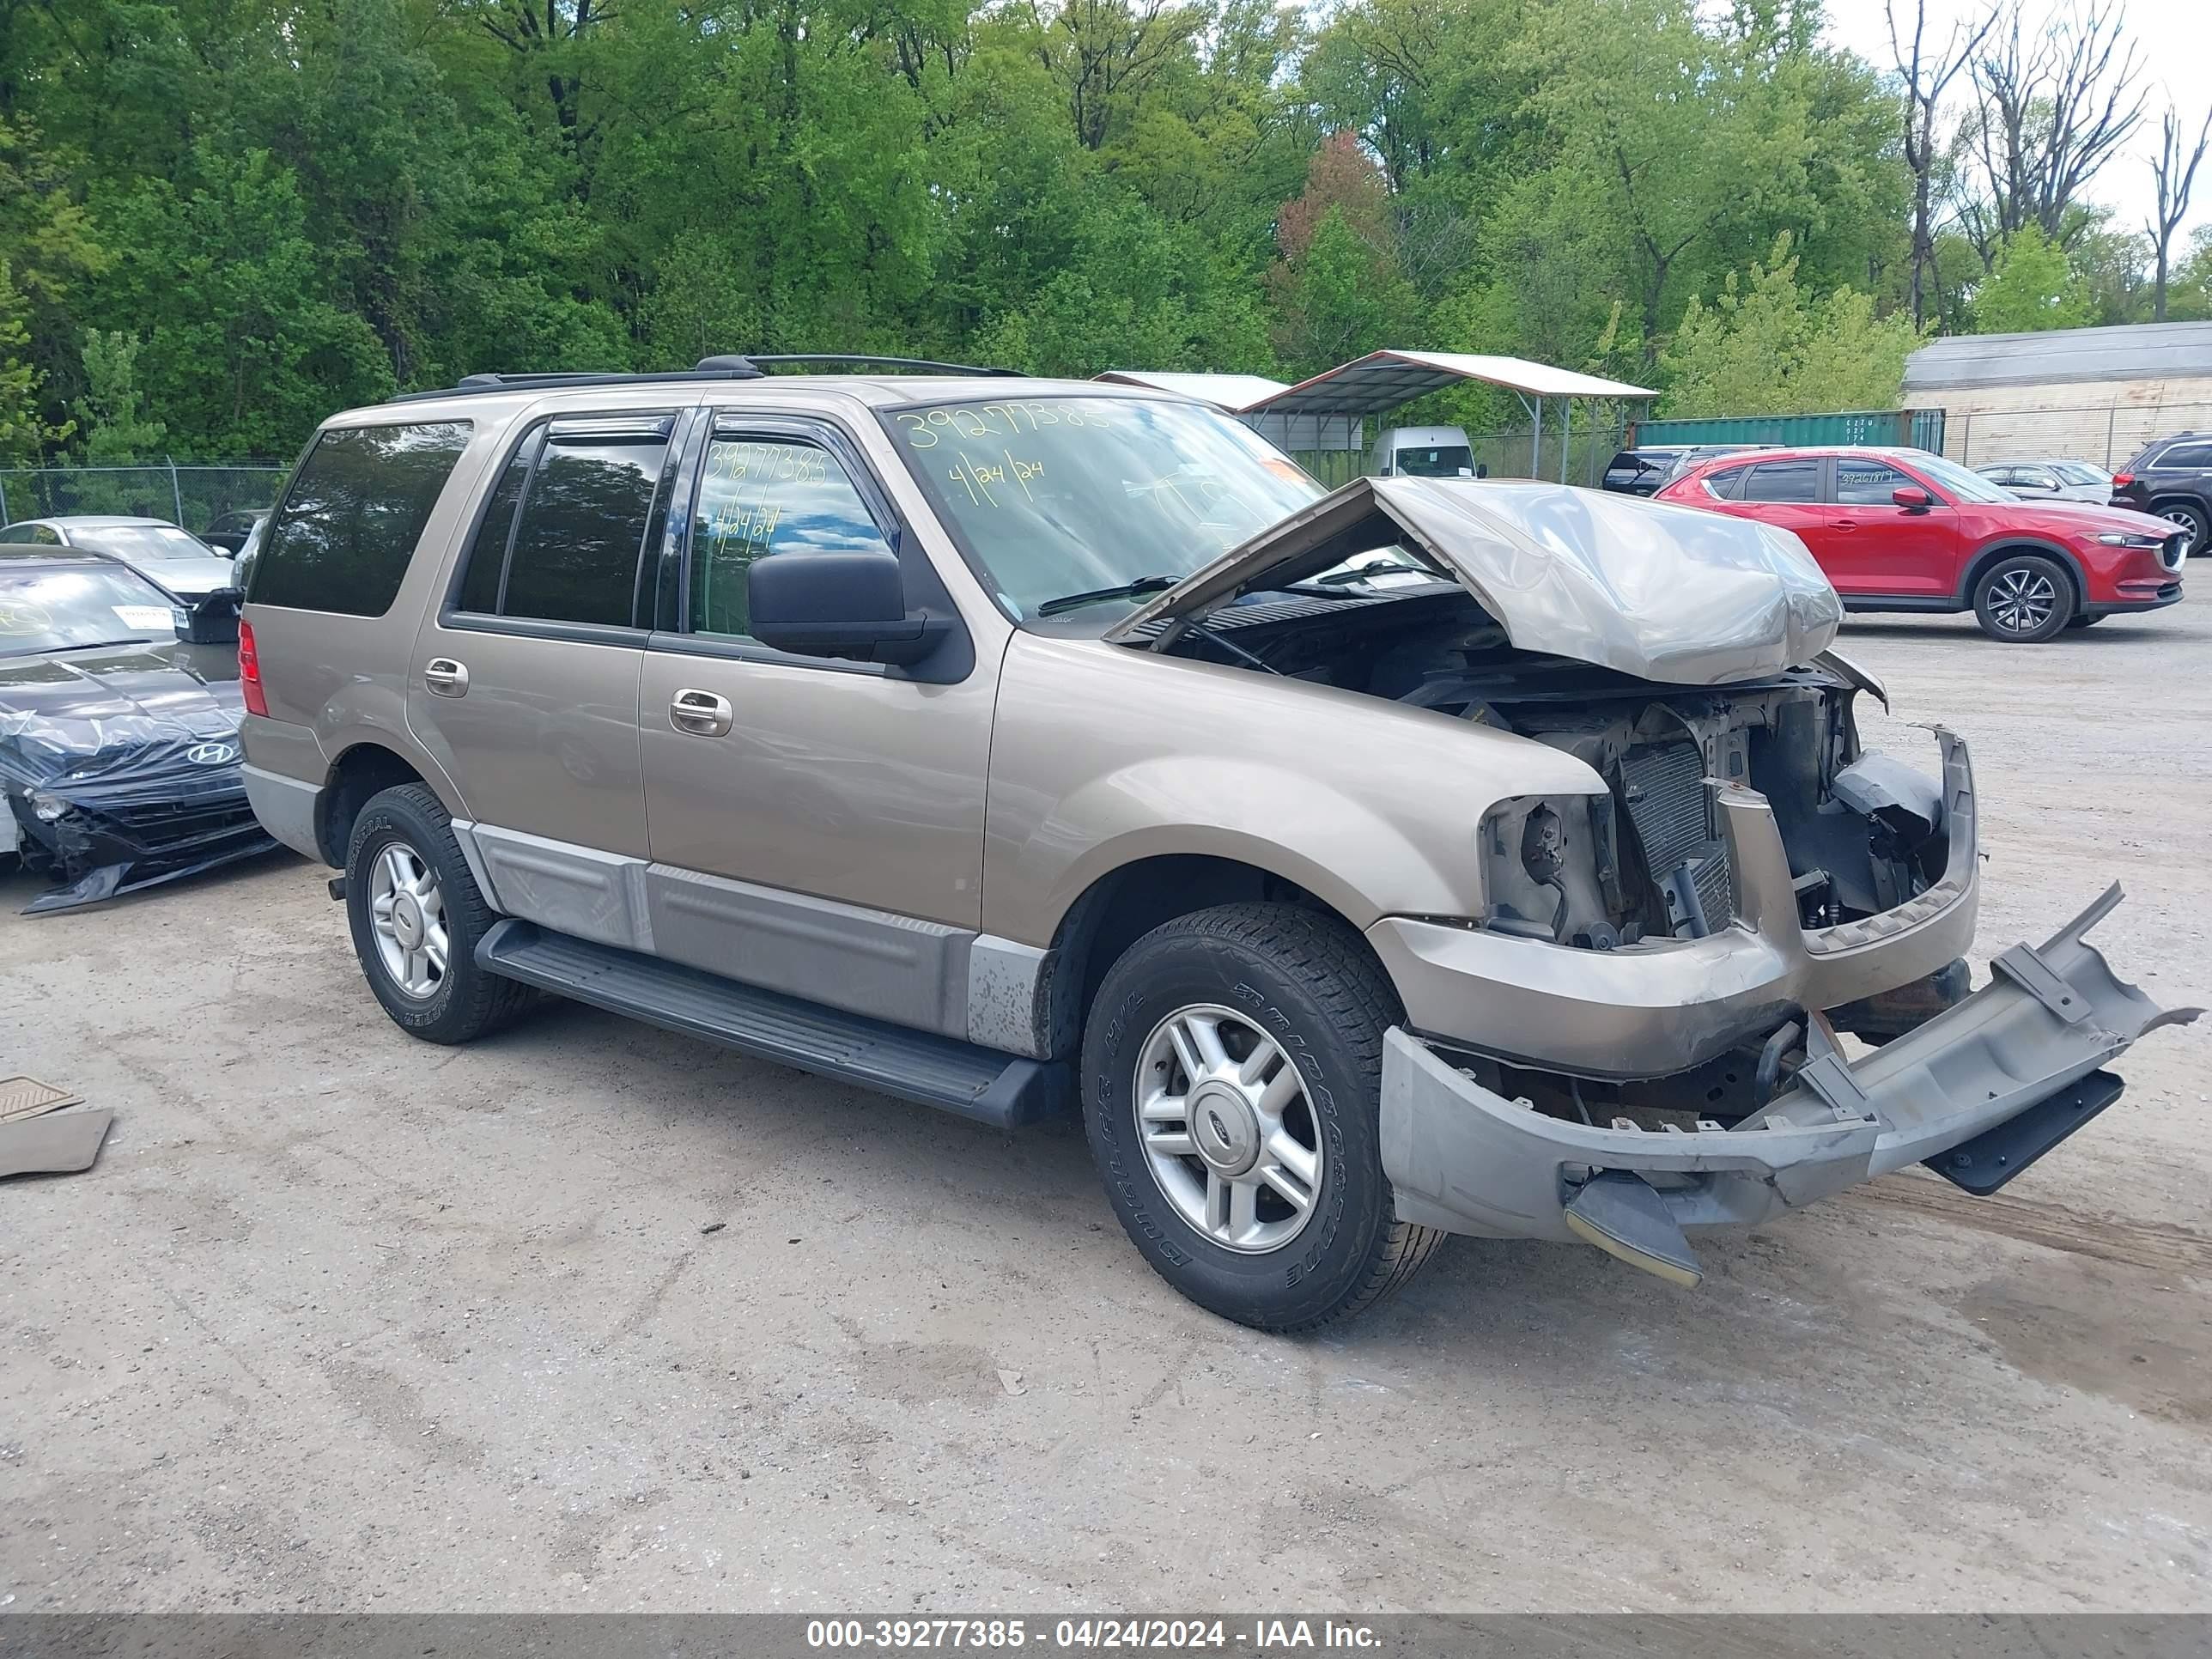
1424 452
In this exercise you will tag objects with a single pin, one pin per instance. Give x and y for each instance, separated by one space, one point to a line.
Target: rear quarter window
347 527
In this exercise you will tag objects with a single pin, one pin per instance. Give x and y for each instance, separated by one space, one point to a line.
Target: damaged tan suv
1426 856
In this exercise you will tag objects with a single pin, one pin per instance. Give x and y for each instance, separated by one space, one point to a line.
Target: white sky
2177 55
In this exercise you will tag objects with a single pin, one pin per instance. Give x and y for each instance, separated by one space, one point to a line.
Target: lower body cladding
1978 1093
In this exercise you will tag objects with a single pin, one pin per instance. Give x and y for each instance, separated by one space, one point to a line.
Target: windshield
1438 461
143 541
1067 495
56 609
1958 482
2081 472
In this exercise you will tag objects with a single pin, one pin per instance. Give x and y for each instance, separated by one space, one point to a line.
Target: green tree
244 349
23 431
1766 346
2032 285
112 416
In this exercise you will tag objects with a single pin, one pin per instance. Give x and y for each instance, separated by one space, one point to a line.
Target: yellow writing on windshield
766 463
979 422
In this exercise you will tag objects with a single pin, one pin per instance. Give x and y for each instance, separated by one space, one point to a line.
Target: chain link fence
2110 434
190 495
1576 457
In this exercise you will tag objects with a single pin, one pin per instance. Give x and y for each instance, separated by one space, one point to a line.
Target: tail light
2120 480
249 671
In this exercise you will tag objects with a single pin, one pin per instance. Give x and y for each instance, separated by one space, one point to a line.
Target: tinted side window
487 565
349 525
2187 456
1784 481
1869 483
1726 484
763 496
582 528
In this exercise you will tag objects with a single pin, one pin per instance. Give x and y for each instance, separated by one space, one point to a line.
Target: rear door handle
443 677
701 713
1843 524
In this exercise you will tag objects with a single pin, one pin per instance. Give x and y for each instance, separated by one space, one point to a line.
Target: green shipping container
1913 428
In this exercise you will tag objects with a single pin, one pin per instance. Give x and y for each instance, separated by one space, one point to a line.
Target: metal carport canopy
1384 380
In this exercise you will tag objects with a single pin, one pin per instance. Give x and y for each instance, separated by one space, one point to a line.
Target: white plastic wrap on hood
1666 594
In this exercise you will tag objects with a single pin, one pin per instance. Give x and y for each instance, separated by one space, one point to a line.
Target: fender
2018 544
1102 756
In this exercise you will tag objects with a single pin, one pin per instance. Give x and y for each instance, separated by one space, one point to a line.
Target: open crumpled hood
1666 593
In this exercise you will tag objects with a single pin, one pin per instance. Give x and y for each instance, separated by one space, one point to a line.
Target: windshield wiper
1100 595
88 645
1360 572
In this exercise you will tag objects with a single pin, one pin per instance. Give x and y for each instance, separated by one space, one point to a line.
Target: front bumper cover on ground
1467 1160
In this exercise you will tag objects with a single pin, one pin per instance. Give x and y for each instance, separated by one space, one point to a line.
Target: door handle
1843 524
701 713
442 677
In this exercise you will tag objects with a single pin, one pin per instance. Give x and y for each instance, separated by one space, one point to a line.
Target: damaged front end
110 793
1977 1094
1637 1034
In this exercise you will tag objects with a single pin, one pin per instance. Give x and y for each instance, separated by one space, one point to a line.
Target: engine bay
1646 859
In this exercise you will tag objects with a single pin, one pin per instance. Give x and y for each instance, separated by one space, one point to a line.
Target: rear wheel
2023 598
1232 1069
416 914
2190 517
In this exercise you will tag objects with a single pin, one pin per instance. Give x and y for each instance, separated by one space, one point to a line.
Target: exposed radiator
1664 787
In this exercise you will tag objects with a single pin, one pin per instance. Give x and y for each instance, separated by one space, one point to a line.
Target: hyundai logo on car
211 754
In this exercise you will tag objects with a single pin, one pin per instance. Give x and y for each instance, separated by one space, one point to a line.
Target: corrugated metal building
2091 394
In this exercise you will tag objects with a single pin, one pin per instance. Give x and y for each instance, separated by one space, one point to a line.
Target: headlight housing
44 807
2147 543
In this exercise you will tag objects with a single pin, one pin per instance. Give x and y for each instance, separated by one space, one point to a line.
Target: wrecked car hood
1666 594
122 716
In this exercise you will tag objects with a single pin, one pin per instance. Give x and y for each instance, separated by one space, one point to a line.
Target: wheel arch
2196 500
1121 906
362 771
2065 557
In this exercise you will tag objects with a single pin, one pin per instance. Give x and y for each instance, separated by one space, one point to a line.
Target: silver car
1428 856
2051 481
170 556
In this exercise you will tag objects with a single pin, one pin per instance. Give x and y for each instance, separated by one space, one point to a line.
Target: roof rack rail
729 367
855 360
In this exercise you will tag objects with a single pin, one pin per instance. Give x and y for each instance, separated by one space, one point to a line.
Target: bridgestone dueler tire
469 1002
1306 980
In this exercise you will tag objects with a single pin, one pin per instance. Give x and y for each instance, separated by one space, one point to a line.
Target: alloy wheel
2188 520
407 910
2022 601
1228 1130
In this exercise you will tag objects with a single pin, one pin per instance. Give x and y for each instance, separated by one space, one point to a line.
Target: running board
959 1077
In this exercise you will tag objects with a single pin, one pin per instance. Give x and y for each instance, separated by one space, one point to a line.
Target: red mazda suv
1903 530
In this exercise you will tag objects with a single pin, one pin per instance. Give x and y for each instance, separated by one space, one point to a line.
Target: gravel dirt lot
592 1317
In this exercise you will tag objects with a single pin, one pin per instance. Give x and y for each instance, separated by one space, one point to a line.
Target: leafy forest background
220 220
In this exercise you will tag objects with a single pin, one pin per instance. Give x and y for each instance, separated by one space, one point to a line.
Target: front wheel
1233 1071
2023 600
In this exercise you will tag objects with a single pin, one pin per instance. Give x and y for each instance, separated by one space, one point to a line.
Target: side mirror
212 621
1912 498
850 605
1481 470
